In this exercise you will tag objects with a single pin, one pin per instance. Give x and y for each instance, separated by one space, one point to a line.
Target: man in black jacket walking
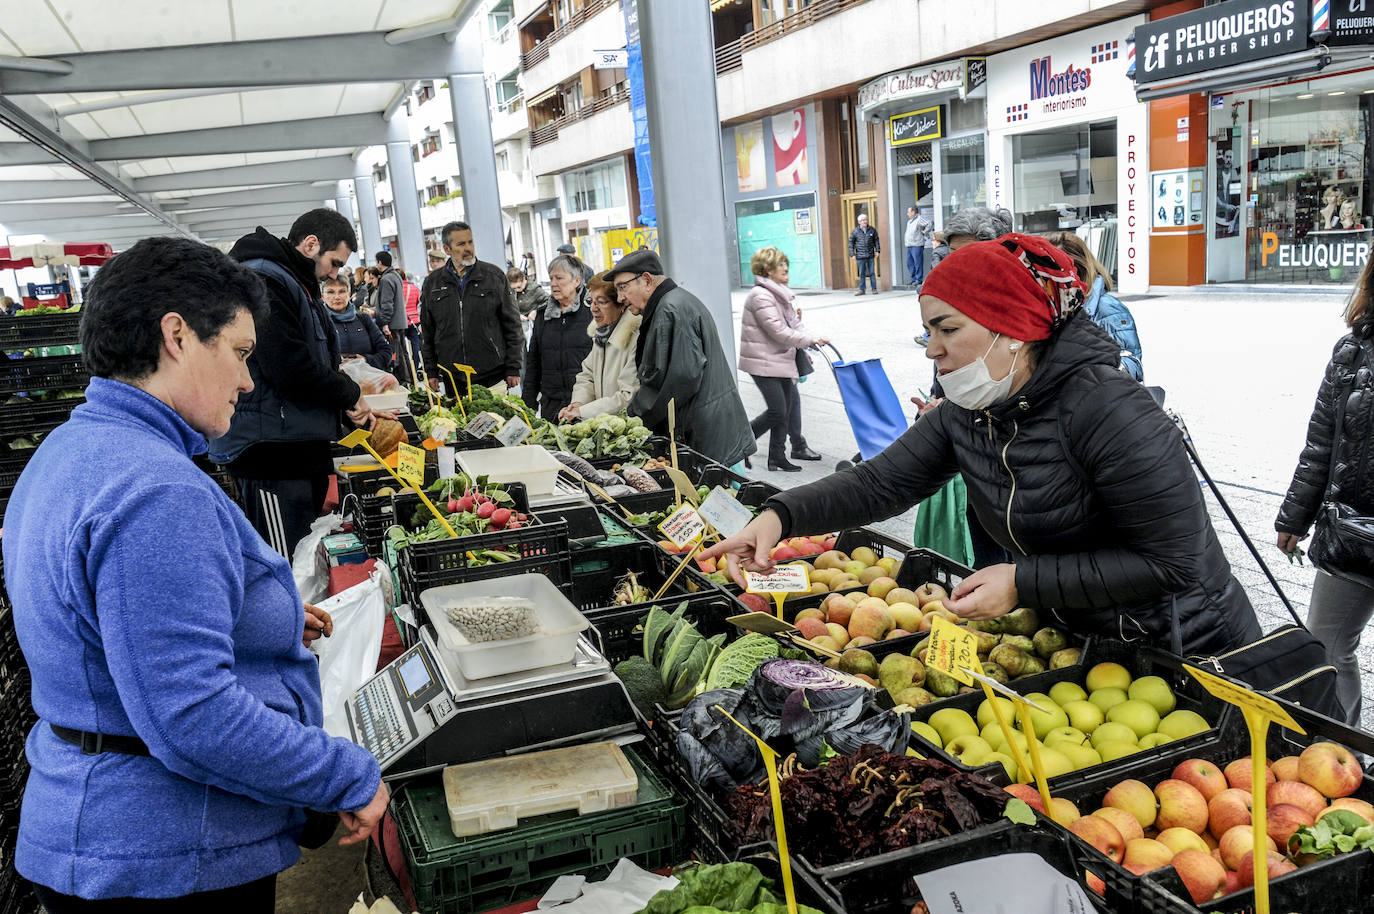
391 312
468 316
864 247
277 446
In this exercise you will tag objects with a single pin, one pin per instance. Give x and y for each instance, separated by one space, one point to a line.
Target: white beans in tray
493 618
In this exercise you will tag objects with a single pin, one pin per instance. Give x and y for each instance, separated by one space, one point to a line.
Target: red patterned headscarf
1020 286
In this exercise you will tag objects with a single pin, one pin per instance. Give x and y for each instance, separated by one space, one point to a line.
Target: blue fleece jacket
147 606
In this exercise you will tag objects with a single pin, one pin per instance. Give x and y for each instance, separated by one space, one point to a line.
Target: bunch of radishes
474 501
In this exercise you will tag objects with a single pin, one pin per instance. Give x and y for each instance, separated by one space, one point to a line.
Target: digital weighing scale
419 714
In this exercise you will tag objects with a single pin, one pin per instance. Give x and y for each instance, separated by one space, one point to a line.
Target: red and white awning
54 254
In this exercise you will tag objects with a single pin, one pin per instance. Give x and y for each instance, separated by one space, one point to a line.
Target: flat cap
637 262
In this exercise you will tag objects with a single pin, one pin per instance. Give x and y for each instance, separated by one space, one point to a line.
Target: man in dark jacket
864 247
468 316
680 360
277 447
391 312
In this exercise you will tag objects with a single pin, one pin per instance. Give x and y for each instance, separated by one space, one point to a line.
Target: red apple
1029 794
930 591
1125 823
1232 884
1330 768
1101 834
1237 840
1145 854
1286 768
1238 773
1201 874
1298 794
1278 865
1284 819
1181 805
755 602
1228 809
1202 774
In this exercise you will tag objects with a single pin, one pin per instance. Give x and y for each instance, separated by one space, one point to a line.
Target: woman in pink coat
770 335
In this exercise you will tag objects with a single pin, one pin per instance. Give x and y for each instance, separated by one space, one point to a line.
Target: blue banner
634 71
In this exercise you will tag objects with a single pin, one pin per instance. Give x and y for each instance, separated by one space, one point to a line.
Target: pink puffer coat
771 331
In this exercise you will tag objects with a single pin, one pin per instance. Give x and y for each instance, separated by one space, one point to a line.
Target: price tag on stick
784 579
410 464
683 527
361 436
468 371
953 650
513 432
683 485
722 510
689 557
1036 766
770 762
483 424
1259 712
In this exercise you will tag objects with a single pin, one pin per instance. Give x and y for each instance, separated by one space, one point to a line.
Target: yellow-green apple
871 618
906 615
1055 762
1331 768
987 716
1006 761
952 722
1286 768
1278 866
1066 691
1239 773
1145 854
1051 717
871 574
1179 838
1298 794
838 632
1107 698
1237 840
1136 798
1282 819
1136 714
902 595
930 591
1112 732
1029 794
863 641
969 748
927 732
1108 676
1125 823
826 641
832 559
1113 749
1082 756
1083 714
854 568
865 555
1228 809
1202 774
1202 875
817 613
1180 805
1183 722
1101 834
1063 811
880 586
889 565
1070 735
1151 740
1155 692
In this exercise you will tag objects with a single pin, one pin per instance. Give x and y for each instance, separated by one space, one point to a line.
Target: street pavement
1241 368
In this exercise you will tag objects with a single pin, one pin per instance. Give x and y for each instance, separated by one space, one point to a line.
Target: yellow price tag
1259 711
468 371
361 436
770 762
410 464
683 485
953 650
784 579
355 438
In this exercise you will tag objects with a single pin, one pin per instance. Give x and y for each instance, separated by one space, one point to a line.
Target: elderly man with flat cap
679 358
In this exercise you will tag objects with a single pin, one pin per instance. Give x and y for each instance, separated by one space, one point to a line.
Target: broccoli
643 683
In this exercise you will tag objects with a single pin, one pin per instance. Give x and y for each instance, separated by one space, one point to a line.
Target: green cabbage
737 662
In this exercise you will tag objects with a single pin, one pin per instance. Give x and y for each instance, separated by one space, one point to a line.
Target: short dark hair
450 228
384 258
330 226
121 336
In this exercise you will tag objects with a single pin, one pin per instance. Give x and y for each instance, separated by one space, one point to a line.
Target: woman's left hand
318 622
986 594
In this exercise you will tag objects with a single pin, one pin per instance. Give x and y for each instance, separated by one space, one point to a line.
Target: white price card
483 424
513 432
683 527
722 510
783 579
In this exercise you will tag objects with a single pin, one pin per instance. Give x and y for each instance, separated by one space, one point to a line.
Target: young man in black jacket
277 446
468 316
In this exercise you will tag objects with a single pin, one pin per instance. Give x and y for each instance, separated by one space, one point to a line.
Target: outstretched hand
750 546
986 594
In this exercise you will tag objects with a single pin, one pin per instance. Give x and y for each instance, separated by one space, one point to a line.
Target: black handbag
804 365
1342 539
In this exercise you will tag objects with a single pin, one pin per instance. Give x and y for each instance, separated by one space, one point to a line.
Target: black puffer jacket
1084 480
1354 476
558 347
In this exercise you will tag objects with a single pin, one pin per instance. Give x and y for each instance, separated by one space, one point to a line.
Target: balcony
549 132
540 52
731 56
600 26
595 131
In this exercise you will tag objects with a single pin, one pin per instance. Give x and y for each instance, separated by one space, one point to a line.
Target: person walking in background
1335 467
558 340
365 295
918 228
864 247
941 249
530 297
412 333
468 316
527 267
391 311
679 360
570 251
608 379
1107 311
7 307
358 335
770 334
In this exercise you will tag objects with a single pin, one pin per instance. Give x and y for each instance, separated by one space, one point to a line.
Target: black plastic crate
31 416
691 462
372 512
595 579
619 627
12 464
751 494
61 372
41 330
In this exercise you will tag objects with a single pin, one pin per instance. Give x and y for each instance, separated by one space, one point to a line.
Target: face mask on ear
972 386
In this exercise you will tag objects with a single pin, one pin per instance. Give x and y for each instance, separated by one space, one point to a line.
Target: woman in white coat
608 379
771 332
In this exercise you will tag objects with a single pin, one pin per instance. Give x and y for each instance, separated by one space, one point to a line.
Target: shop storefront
771 173
933 118
1286 160
1067 145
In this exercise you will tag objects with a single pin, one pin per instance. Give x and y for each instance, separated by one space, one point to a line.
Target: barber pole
1321 20
1130 57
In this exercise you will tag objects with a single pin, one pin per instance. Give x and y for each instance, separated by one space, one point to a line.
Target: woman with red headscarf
1070 465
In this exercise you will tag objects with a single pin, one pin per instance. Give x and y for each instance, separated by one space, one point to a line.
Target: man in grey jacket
391 312
679 359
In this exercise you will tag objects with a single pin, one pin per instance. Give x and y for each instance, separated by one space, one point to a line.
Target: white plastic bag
348 657
371 380
308 564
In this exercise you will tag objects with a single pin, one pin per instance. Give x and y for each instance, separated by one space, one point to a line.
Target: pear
995 671
858 662
941 684
1033 665
1069 656
898 672
1023 621
1049 640
991 626
1010 658
1021 642
914 696
986 640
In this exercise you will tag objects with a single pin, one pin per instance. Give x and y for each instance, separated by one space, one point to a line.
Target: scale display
396 709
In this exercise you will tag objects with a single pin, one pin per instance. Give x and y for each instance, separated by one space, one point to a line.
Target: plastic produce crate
451 875
31 417
691 462
372 512
620 634
41 330
750 493
594 579
61 372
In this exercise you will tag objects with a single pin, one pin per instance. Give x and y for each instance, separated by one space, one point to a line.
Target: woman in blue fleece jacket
179 736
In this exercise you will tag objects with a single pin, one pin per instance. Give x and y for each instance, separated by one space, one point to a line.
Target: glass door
855 205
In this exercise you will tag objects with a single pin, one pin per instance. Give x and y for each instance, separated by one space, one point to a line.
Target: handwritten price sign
953 650
410 464
683 527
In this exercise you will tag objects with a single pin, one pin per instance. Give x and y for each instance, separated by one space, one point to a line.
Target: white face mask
972 386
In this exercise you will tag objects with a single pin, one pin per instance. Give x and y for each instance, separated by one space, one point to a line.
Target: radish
499 518
465 503
453 506
486 510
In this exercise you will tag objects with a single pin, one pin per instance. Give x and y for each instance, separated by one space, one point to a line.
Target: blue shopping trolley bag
874 410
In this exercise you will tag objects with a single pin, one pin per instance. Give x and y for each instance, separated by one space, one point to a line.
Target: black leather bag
1342 539
804 366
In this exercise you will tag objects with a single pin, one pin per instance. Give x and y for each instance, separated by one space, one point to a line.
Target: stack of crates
16 719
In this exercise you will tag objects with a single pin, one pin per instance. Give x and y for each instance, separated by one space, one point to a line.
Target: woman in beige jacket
608 379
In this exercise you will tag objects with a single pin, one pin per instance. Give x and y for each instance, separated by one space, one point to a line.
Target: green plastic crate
450 875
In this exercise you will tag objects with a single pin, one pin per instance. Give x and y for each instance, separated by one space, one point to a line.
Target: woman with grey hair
558 341
977 223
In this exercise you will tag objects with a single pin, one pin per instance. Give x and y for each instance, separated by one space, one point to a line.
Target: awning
53 254
542 97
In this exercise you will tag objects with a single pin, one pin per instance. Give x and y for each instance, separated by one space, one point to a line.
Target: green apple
1107 698
1005 761
951 723
1066 735
1066 691
969 749
1113 731
1046 720
1113 749
992 732
1108 676
1151 740
1140 716
1081 756
1183 722
1155 692
986 715
1084 715
927 732
1055 762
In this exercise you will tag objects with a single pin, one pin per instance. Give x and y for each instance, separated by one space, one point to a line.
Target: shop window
856 148
787 223
1064 177
966 114
963 175
599 186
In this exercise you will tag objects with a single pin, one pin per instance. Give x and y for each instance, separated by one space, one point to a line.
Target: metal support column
410 236
679 60
343 204
476 157
366 194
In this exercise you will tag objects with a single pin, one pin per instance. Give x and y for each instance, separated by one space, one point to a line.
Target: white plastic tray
560 625
497 793
390 401
527 463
